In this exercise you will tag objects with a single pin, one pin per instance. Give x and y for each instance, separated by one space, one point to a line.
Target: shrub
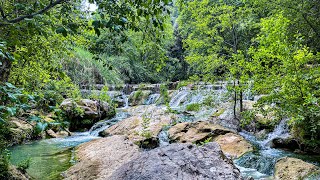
193 107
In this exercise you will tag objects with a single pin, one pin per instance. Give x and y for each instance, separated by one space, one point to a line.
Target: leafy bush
12 101
193 107
209 101
24 165
164 93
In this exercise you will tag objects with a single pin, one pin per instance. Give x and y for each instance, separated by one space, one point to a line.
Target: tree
218 35
65 17
288 72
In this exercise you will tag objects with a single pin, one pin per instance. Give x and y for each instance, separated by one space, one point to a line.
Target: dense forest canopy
50 49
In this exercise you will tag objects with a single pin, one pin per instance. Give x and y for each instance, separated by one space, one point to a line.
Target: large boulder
142 128
292 169
195 132
99 158
84 113
20 131
233 145
179 162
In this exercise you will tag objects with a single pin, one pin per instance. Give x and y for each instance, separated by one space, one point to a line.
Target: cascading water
103 125
152 99
126 100
50 157
179 97
260 164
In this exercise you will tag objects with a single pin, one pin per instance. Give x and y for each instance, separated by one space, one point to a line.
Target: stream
51 157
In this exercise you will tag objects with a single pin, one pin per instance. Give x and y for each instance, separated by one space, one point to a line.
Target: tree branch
21 18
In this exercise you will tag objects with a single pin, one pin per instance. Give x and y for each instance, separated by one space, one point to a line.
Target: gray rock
179 162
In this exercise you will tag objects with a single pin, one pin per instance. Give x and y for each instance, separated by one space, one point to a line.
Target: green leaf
34 118
11 110
62 30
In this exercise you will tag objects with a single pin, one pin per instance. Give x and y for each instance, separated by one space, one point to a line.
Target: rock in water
292 169
85 112
233 145
179 162
98 159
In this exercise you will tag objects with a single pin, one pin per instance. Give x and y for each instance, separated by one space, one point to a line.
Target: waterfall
152 99
103 125
263 161
126 101
178 98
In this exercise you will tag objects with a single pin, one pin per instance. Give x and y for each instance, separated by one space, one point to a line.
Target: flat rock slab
179 162
98 159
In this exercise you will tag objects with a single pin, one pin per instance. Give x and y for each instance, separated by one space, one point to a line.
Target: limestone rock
21 131
195 132
292 169
233 145
85 112
99 158
144 127
179 162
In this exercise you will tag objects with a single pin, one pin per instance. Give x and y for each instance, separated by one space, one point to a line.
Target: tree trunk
241 97
235 100
5 67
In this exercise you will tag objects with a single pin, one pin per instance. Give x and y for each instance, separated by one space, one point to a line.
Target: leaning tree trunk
5 67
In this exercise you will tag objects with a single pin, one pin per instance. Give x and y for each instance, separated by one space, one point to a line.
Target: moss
193 107
218 113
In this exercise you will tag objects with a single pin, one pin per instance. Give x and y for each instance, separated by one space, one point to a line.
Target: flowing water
152 99
50 157
260 163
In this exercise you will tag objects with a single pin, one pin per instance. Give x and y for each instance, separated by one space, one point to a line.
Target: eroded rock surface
179 162
99 158
292 169
195 132
233 145
85 112
144 127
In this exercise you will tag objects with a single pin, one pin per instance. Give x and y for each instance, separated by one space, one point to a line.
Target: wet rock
20 131
15 174
292 169
58 134
195 132
85 112
179 162
287 143
51 133
144 127
233 145
99 158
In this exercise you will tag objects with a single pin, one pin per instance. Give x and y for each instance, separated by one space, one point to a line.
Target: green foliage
24 165
285 69
104 95
193 107
12 101
206 141
164 93
4 163
209 101
247 117
138 94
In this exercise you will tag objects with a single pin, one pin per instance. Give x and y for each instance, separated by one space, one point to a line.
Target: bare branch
21 18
